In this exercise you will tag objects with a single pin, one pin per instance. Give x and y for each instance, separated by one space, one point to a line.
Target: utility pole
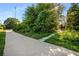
15 12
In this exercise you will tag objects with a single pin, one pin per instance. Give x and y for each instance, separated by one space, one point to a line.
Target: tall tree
11 23
42 17
73 17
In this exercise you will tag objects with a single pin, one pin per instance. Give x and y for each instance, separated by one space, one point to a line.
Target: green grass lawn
69 40
2 42
36 35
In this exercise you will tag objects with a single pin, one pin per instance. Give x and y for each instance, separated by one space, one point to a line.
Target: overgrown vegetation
11 23
40 19
73 17
2 42
67 39
36 35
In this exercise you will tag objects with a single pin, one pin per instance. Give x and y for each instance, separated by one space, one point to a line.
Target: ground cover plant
2 42
67 39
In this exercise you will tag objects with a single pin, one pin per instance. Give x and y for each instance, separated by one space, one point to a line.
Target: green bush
69 35
67 39
35 35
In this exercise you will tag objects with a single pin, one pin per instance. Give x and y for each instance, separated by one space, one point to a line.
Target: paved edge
52 45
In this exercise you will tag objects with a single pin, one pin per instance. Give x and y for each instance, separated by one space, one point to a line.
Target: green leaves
73 17
2 43
41 17
11 23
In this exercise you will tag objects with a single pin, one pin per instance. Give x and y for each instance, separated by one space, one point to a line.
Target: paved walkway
45 38
19 45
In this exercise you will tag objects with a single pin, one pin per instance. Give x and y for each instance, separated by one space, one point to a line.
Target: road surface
19 45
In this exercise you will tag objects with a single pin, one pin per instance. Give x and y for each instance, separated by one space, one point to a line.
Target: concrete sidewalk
19 45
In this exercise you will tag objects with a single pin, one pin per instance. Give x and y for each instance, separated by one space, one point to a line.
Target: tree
73 17
1 26
42 17
11 23
29 18
41 23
